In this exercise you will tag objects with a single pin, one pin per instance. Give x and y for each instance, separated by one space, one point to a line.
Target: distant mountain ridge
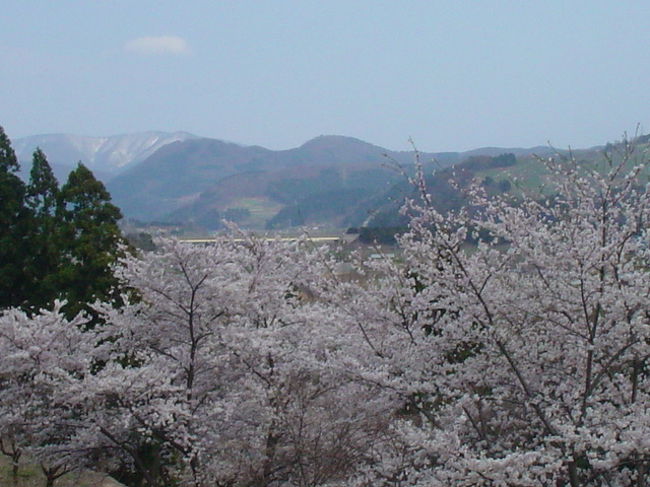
161 176
177 174
106 156
198 180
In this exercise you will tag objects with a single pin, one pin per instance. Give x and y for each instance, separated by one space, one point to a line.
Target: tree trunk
271 442
573 475
53 473
641 472
49 481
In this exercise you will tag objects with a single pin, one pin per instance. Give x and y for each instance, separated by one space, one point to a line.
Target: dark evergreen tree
91 241
43 188
8 160
55 243
14 225
45 241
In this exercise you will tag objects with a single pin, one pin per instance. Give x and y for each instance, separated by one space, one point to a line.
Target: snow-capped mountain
106 156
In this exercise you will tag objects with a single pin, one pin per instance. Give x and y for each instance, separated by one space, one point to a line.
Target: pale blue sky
453 75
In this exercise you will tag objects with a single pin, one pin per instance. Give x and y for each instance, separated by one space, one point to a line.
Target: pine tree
43 187
91 240
45 240
14 223
55 244
8 160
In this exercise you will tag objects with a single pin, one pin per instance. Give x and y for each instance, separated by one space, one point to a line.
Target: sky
451 75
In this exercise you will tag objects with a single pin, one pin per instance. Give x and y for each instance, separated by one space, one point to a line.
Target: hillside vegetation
505 343
330 180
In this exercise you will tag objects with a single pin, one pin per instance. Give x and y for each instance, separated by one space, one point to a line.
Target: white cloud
158 45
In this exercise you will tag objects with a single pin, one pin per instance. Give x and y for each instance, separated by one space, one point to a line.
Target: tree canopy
89 223
55 243
14 223
507 344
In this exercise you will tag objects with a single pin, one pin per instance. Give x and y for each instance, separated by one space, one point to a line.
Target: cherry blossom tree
506 344
521 360
218 370
42 357
221 369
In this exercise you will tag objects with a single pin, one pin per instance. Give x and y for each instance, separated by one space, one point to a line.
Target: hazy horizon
451 76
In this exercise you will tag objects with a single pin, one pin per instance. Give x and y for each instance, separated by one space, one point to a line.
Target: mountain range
105 156
178 177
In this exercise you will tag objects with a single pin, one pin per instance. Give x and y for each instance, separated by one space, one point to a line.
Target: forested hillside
332 181
176 178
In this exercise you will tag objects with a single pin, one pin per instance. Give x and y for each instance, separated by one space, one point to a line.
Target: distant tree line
447 188
56 242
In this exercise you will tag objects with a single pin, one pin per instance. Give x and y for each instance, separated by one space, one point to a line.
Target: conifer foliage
55 243
44 232
88 223
14 222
